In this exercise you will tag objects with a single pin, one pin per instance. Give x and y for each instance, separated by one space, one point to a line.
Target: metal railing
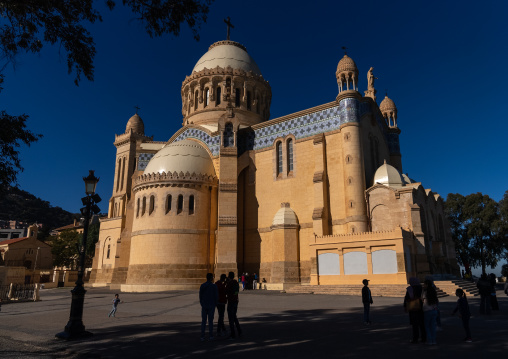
19 292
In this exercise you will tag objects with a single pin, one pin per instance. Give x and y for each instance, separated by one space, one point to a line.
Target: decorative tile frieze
213 143
143 159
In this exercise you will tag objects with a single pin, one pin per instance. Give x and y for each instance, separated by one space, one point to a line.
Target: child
464 313
116 301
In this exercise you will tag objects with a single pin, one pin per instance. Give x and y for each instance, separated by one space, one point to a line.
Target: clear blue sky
443 63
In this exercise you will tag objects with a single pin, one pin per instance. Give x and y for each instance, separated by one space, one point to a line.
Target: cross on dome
229 24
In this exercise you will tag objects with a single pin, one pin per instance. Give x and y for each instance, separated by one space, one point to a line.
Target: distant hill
19 205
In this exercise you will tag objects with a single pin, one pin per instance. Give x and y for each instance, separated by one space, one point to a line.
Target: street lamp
75 328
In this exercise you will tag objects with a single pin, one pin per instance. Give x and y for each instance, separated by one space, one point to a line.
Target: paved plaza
275 325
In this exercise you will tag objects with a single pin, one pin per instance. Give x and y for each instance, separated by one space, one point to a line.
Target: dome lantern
389 111
347 74
135 124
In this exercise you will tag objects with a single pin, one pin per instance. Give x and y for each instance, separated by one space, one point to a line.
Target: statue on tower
371 91
370 79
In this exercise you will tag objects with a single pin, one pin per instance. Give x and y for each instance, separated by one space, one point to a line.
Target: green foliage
477 228
65 249
92 239
19 205
26 25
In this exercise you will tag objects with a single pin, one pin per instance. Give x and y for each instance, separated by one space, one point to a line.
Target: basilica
316 197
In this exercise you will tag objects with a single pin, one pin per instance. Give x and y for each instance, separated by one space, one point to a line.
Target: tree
92 239
477 229
504 270
65 249
26 25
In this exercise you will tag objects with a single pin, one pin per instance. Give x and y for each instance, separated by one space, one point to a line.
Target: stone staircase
450 286
377 290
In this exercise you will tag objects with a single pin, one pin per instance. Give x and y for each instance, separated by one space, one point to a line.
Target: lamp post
75 328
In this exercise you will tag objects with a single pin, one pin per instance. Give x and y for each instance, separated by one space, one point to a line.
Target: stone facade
314 197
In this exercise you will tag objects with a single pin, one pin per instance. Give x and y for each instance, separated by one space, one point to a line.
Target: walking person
232 289
485 289
367 301
255 281
430 311
116 301
221 305
464 313
208 297
242 278
413 306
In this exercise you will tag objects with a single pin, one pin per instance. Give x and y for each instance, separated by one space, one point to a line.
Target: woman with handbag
413 306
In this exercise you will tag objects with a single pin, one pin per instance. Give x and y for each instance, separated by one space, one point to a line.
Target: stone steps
450 286
380 290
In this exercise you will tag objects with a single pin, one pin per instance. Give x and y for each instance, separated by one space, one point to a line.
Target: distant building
26 252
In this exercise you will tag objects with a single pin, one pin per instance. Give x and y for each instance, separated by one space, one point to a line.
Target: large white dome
227 53
182 156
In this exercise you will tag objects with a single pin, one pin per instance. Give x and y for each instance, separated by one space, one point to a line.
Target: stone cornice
173 179
127 137
220 71
348 94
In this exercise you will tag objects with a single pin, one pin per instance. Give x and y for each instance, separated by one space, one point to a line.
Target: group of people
422 305
247 280
487 288
218 295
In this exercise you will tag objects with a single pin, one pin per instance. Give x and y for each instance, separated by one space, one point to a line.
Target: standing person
413 306
464 313
232 290
438 318
208 297
485 289
243 281
116 301
367 301
255 281
430 311
493 297
221 305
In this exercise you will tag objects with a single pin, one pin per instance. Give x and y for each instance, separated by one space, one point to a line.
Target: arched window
109 250
237 97
168 203
196 97
191 205
207 97
143 210
290 155
218 96
152 205
123 174
228 135
279 158
180 204
137 212
248 100
118 168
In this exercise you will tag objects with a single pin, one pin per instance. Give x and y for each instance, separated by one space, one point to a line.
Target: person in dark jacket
367 301
493 297
208 297
232 289
221 305
464 313
413 305
485 289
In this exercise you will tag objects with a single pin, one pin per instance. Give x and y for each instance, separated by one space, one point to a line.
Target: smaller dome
389 176
346 64
135 124
387 105
407 179
285 216
182 156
